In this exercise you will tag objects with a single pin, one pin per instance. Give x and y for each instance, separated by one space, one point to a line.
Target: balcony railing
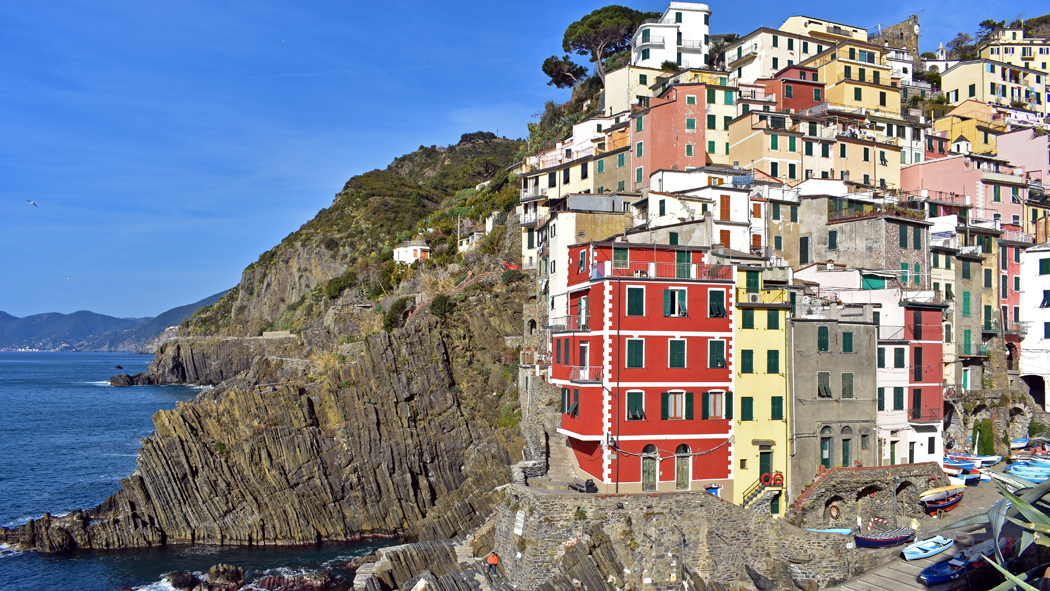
1015 236
690 44
533 193
661 270
529 218
573 323
763 296
925 415
891 333
585 374
652 40
753 94
923 297
1001 177
736 56
833 30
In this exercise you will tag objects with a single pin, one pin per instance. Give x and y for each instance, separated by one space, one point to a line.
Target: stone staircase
559 464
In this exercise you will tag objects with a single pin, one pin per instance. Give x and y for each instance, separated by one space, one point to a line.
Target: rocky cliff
408 437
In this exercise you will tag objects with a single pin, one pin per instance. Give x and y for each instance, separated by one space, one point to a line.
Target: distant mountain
88 331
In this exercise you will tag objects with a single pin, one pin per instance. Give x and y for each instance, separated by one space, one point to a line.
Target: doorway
893 453
649 468
765 463
681 467
825 447
911 452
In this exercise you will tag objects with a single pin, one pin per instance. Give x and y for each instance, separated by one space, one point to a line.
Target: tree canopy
563 72
603 33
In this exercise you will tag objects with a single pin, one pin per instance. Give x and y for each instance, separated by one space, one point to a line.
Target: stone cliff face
209 361
401 440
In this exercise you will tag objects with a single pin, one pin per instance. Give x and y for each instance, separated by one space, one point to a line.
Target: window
847 342
788 91
710 96
864 437
816 92
638 150
639 123
1003 287
747 361
776 211
642 78
772 361
635 296
791 169
1044 266
972 90
778 243
882 357
662 207
773 319
882 95
776 40
987 277
620 160
777 404
712 121
898 357
716 354
717 303
791 44
809 148
794 213
1046 330
638 175
842 150
822 338
776 64
882 398
904 237
823 384
570 401
600 168
774 169
966 303
676 353
774 142
690 99
966 269
917 365
726 121
833 240
917 238
898 398
747 408
674 303
857 94
557 351
645 54
717 405
748 318
583 170
635 353
689 149
690 123
635 406
672 238
711 145
847 385
867 154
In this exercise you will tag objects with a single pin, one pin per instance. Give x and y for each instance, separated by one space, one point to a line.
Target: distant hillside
134 339
59 331
88 331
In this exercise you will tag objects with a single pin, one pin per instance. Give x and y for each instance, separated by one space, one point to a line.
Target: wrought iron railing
573 323
585 374
661 270
925 415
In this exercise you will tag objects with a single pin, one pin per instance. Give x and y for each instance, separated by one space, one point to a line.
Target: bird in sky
33 203
70 278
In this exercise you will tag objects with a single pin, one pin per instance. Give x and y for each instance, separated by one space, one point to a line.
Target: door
649 468
584 349
845 453
911 452
681 468
893 453
765 463
723 238
825 451
723 208
682 264
584 312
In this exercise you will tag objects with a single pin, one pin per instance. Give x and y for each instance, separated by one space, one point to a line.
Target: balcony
1015 236
585 375
652 40
644 269
999 177
891 333
834 30
529 219
762 296
925 415
923 297
742 54
691 45
573 323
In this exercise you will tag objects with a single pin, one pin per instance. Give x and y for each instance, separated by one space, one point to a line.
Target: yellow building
1012 47
857 76
998 83
823 29
975 121
626 84
761 426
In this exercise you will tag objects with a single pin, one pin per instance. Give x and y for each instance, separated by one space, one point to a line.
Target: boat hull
884 539
926 548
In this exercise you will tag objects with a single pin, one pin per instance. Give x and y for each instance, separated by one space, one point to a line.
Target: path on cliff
459 287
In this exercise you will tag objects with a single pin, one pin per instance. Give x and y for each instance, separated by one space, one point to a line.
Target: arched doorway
682 462
825 447
833 507
1037 389
532 327
649 461
847 438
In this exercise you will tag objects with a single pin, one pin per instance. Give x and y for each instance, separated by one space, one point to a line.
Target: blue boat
1035 479
883 539
927 548
988 461
969 560
842 531
959 464
1020 443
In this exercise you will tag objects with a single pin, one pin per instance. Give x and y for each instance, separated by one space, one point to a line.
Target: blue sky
167 144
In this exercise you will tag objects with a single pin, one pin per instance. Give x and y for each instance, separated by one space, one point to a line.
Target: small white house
411 253
469 241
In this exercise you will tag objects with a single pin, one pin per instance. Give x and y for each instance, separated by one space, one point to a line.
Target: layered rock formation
401 440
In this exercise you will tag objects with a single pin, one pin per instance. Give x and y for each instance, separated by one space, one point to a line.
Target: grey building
834 394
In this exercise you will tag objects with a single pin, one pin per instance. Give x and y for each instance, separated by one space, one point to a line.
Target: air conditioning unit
754 298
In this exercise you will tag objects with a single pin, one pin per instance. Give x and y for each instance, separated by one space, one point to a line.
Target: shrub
1035 428
982 433
511 276
442 306
335 286
392 319
330 244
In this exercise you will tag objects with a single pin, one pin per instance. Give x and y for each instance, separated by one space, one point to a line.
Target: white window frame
672 396
725 303
716 396
627 299
627 355
626 407
685 352
675 312
725 352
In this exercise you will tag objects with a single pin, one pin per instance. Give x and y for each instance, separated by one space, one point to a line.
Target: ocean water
66 440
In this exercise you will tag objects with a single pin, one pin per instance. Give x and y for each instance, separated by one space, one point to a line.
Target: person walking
493 560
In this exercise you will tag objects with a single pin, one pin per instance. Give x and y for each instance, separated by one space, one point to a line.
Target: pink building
669 132
992 185
1022 147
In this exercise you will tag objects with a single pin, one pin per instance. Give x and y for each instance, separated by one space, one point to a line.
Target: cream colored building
997 83
823 29
625 85
1012 47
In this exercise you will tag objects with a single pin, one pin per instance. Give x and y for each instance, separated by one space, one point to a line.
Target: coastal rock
209 361
121 381
118 367
182 580
399 441
224 577
761 581
320 581
142 379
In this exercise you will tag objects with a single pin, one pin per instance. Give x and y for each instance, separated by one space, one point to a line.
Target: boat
927 548
943 492
965 479
883 539
964 465
976 461
951 471
969 560
842 531
989 461
947 504
1019 443
1030 478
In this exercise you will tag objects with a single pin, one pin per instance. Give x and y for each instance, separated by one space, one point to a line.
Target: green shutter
774 142
773 319
1044 266
917 238
677 353
747 359
966 303
682 310
898 357
882 357
689 406
729 405
635 353
663 406
747 408
557 351
777 403
635 301
847 385
748 318
898 399
710 96
833 240
667 302
773 361
882 398
904 236
847 342
705 406
822 338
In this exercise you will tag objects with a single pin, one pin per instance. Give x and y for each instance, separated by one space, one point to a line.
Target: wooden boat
883 539
943 492
969 560
1020 443
932 507
963 465
965 479
1029 478
1018 456
928 547
842 531
989 461
976 461
951 471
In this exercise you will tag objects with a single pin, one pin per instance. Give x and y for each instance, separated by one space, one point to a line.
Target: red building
669 132
924 328
645 366
795 87
937 146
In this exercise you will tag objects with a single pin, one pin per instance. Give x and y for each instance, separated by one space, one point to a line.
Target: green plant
392 319
1035 428
522 544
442 306
511 276
669 66
982 434
510 416
335 286
581 513
220 448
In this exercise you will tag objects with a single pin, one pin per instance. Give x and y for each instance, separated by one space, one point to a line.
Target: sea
66 439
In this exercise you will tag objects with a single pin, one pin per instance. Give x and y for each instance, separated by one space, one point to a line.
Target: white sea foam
101 383
158 586
7 551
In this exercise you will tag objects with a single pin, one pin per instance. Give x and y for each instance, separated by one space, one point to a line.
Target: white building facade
682 35
1035 309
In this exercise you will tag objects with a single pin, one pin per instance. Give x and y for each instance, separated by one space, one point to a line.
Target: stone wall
903 35
850 489
657 537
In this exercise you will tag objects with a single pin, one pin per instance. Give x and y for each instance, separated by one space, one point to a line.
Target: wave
6 550
161 585
100 383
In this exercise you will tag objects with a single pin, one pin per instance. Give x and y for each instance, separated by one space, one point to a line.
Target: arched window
682 468
532 327
649 449
682 449
826 431
846 431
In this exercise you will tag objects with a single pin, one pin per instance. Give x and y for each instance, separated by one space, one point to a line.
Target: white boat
951 470
927 548
1020 443
943 492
